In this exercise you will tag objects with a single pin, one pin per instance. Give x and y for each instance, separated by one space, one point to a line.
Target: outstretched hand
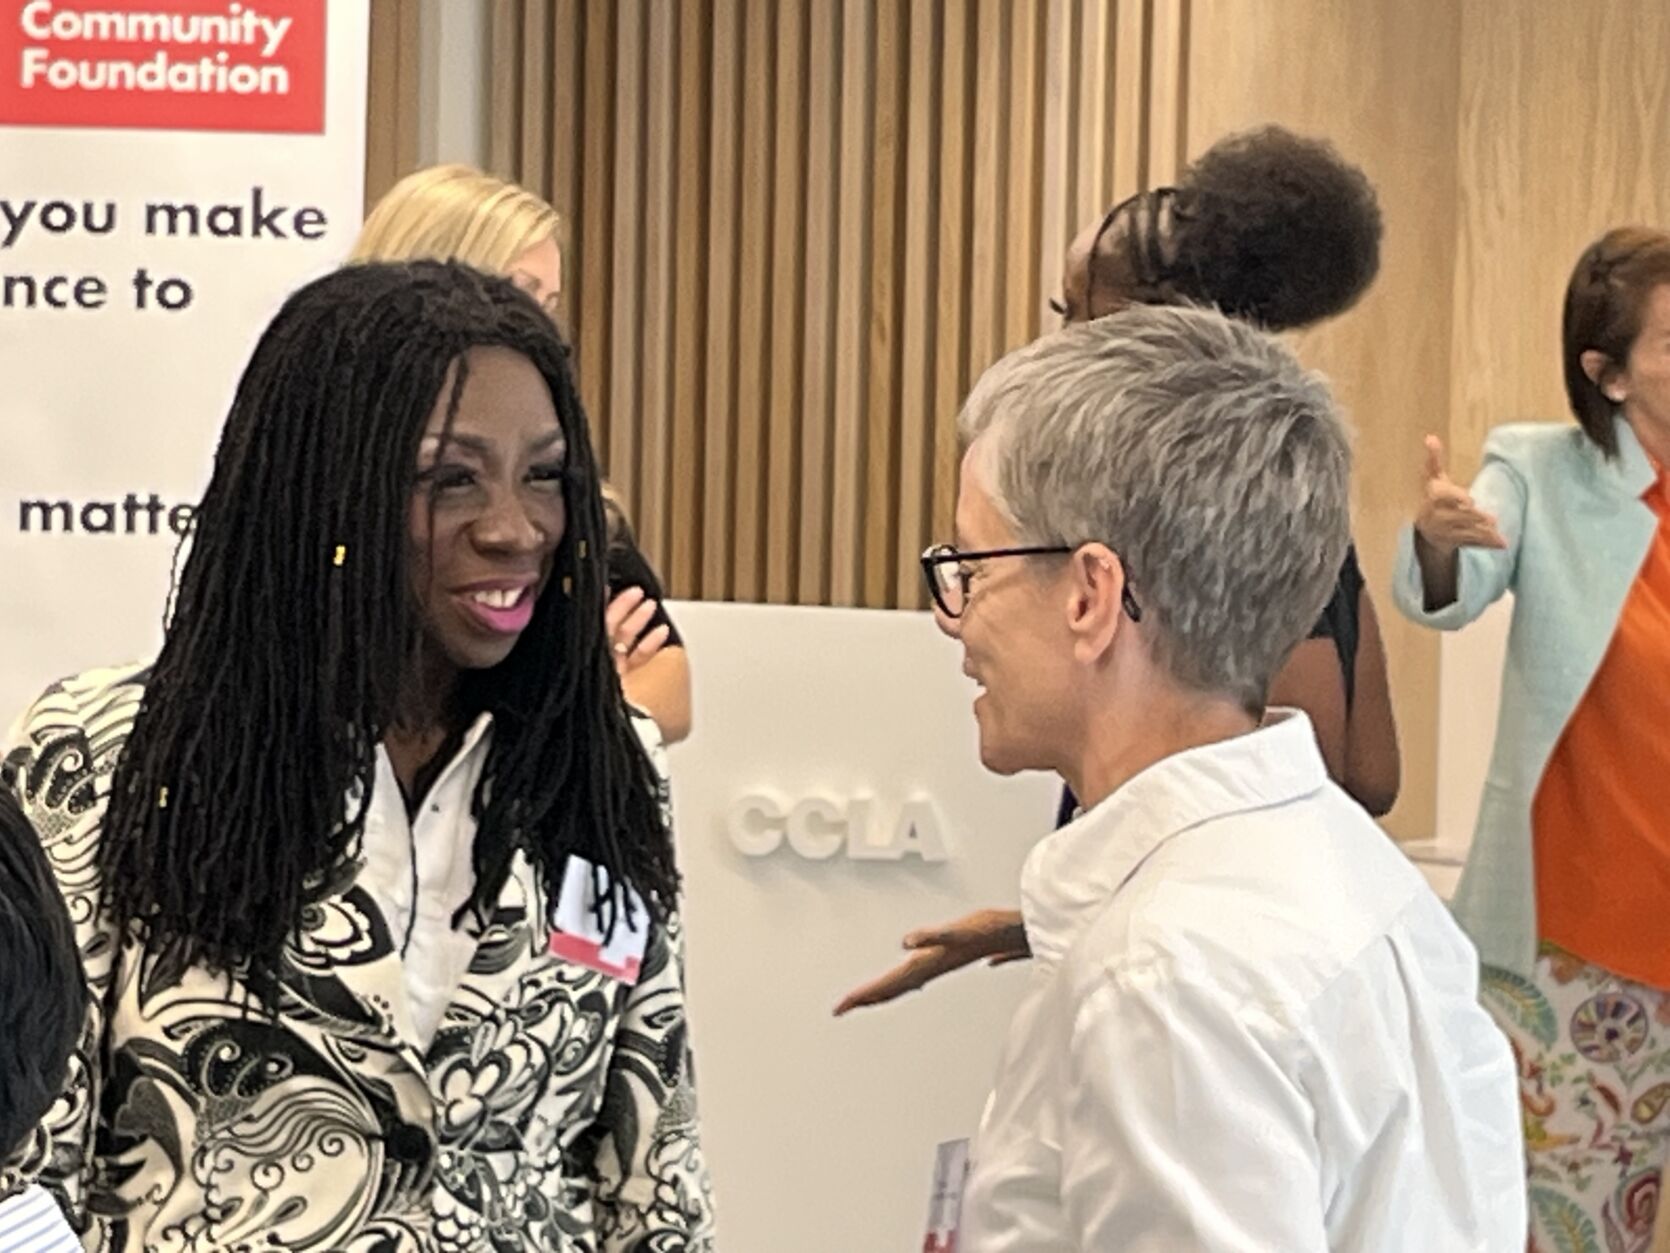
996 936
1448 519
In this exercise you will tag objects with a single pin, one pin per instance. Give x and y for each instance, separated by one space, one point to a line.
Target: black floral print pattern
552 1111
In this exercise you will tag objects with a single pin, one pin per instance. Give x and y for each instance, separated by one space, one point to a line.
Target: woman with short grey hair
1250 1022
1242 230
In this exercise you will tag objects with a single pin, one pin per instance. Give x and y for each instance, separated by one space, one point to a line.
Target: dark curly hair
43 998
1270 226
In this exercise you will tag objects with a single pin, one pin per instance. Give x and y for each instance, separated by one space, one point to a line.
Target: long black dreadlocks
294 623
1268 225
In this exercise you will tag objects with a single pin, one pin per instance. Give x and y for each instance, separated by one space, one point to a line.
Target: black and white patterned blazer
552 1111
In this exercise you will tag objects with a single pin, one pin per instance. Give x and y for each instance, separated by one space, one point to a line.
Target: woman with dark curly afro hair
1277 229
1269 226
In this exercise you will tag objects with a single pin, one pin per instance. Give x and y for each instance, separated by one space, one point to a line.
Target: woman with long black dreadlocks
370 869
456 213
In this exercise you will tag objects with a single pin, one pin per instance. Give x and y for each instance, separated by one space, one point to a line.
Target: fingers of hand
635 624
620 608
979 927
1444 497
907 976
931 937
651 643
628 635
1435 458
1455 521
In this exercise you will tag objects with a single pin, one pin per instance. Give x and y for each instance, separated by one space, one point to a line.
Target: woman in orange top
1567 888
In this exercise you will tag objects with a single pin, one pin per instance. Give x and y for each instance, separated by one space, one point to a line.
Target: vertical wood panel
660 206
595 244
1493 146
880 526
533 169
818 395
1055 225
382 102
852 384
409 44
782 514
918 309
986 283
504 100
565 144
1167 92
1364 75
951 337
1022 301
1090 114
1555 122
1130 108
391 96
625 362
724 194
694 342
795 231
754 306
1145 135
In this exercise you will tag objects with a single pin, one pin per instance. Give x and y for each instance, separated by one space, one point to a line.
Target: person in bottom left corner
42 1005
370 870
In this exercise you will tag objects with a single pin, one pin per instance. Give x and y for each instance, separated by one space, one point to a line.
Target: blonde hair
457 213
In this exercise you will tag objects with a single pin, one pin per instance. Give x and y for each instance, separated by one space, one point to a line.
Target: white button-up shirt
1250 1026
421 871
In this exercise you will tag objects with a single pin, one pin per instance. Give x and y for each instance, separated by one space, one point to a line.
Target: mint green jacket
1578 532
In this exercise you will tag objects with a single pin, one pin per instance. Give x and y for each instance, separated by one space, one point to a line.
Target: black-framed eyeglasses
1156 199
947 573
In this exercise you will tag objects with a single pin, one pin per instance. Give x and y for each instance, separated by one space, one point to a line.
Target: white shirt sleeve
1181 1130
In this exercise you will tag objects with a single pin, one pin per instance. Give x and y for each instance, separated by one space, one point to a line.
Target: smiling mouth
500 598
500 610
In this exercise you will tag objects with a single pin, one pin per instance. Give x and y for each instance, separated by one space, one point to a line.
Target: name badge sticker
578 938
945 1206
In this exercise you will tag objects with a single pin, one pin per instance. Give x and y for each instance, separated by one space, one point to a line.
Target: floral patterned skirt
1594 1079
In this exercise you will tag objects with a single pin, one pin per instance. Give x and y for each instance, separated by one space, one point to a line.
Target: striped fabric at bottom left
31 1222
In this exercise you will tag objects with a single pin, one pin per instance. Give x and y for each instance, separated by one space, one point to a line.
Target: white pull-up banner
170 170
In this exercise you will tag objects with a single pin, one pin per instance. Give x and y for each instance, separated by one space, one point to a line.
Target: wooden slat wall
853 261
1495 166
1564 124
1364 75
799 229
865 201
391 106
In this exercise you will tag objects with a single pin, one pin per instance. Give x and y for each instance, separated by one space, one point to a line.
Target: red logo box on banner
209 65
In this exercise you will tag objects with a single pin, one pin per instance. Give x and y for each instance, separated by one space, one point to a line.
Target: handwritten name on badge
578 938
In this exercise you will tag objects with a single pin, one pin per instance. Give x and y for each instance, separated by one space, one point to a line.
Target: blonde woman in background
454 212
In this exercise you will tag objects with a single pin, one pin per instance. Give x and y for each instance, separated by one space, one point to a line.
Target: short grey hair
1200 451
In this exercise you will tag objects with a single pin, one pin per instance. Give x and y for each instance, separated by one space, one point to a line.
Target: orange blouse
1601 819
